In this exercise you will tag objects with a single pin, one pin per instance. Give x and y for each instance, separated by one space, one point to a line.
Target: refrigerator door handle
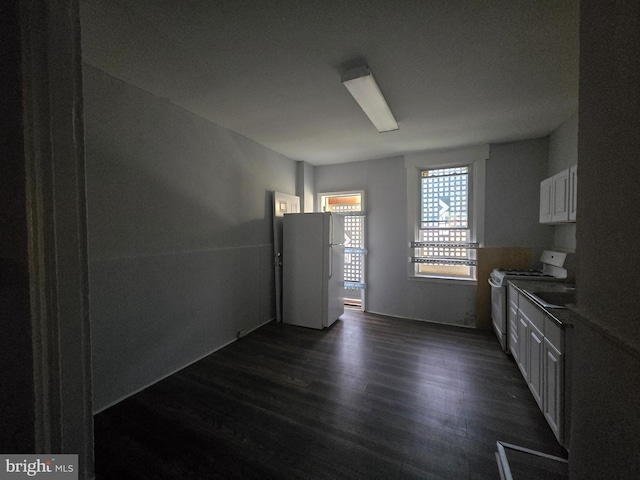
330 261
331 242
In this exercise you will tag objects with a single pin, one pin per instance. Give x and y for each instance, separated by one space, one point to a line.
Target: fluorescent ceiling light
363 87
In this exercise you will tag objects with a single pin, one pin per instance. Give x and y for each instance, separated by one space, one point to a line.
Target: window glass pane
444 194
353 268
444 270
354 262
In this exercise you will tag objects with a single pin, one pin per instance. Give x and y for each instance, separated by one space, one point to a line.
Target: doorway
351 205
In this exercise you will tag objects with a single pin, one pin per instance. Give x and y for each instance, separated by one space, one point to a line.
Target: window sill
447 280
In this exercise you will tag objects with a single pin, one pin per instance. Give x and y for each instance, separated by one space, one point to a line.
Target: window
443 242
446 207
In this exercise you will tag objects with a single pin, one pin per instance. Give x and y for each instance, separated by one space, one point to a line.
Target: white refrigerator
313 269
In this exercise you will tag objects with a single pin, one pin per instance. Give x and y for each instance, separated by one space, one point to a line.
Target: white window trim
475 158
337 194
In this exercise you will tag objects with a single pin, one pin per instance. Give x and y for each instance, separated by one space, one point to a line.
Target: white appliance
313 269
552 263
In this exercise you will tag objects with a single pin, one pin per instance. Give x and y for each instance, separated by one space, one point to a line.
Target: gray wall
563 146
606 382
517 168
514 172
389 291
305 187
563 153
180 235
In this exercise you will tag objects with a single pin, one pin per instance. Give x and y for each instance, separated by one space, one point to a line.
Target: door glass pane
354 238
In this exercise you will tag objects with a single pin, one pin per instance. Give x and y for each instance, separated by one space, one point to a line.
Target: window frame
423 236
472 157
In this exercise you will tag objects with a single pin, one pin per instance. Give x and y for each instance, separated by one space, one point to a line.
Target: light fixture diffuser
365 90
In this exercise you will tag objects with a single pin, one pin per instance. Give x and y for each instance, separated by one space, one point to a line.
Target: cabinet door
536 356
523 334
553 397
512 321
573 192
560 210
512 330
546 200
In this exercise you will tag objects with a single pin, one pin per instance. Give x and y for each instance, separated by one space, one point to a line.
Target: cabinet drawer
534 315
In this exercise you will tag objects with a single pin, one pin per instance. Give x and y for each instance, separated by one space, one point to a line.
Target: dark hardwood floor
371 397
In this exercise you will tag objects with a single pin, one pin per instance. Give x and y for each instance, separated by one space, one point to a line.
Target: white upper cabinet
558 197
573 192
546 200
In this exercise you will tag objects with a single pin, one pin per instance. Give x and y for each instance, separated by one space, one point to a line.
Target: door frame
57 229
282 203
345 193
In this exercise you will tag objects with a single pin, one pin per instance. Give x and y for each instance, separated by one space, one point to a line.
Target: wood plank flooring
371 397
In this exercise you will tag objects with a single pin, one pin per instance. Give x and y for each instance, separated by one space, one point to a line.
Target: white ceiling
454 72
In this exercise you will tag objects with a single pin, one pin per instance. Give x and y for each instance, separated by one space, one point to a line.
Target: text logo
50 467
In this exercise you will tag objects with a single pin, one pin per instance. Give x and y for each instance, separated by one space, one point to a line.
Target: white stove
501 276
552 263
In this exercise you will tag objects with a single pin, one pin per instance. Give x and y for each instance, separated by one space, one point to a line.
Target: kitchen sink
555 299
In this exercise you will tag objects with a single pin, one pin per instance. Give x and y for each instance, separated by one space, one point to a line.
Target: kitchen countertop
562 316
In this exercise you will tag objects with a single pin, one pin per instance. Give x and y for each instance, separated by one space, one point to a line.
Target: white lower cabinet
537 344
536 355
553 398
512 322
523 334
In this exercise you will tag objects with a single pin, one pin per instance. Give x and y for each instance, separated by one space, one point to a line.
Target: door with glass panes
351 205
